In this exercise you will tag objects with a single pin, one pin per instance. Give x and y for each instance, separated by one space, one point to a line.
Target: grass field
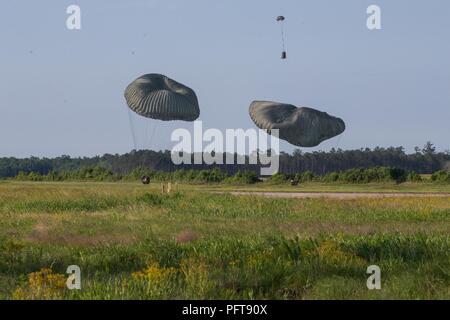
132 242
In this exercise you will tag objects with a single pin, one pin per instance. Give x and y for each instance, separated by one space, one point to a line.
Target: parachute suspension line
340 137
282 37
150 141
132 129
145 143
153 134
336 145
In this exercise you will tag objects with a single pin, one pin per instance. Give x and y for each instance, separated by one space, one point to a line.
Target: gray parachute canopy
303 127
159 97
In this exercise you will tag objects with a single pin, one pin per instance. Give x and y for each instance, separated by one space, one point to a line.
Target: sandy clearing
337 195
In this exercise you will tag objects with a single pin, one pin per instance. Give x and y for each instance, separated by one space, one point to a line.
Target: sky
62 90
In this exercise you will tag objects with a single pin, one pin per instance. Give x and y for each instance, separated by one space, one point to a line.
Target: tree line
215 175
423 161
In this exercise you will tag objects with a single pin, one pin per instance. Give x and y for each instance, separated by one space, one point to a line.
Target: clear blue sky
62 91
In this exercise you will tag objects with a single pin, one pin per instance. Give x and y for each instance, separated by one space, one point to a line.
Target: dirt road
338 195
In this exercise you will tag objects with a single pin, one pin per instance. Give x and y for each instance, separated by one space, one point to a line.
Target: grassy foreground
131 242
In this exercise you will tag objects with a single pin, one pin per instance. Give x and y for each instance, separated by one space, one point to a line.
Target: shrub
414 177
361 175
213 175
245 177
279 178
43 284
331 177
441 176
306 176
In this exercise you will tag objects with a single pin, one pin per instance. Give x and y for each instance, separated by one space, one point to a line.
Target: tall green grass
262 268
132 242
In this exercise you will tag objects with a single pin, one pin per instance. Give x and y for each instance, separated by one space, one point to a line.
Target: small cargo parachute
280 20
